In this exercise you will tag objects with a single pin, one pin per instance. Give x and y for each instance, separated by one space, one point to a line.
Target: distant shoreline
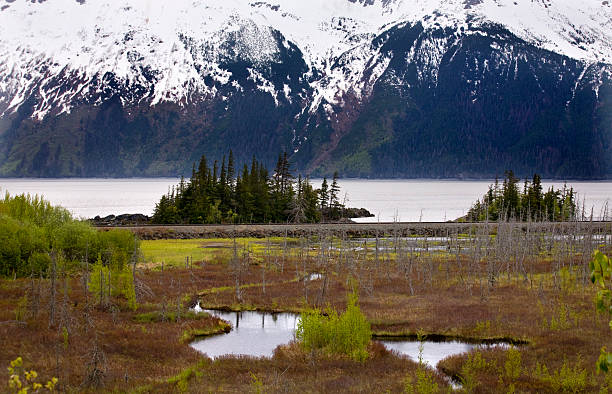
399 229
174 179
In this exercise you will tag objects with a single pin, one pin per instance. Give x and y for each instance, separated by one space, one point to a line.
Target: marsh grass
524 285
290 369
173 252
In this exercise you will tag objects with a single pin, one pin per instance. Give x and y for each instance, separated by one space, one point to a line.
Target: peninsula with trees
222 194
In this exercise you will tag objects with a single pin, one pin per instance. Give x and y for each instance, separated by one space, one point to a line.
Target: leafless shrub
96 367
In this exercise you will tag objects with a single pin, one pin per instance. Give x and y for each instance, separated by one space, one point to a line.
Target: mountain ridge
163 84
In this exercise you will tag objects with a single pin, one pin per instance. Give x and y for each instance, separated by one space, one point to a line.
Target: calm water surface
96 196
389 200
258 334
253 334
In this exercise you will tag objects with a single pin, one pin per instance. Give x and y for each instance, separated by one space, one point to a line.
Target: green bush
475 364
18 241
348 334
117 247
105 282
568 379
424 384
77 240
513 363
31 228
33 209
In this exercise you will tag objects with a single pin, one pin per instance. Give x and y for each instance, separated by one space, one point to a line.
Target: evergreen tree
218 196
230 169
510 195
324 194
334 200
530 204
311 202
334 192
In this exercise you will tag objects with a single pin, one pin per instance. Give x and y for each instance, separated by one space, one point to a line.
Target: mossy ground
544 301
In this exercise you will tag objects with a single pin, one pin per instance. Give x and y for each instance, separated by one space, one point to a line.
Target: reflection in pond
433 352
253 334
258 334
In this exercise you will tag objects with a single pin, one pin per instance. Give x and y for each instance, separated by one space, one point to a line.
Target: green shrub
76 240
314 330
18 241
34 209
105 282
513 363
474 364
31 228
425 383
568 379
348 334
601 275
117 246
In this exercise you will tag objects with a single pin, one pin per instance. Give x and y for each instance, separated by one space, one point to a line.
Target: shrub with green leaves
601 274
423 384
31 229
106 281
568 379
474 364
348 334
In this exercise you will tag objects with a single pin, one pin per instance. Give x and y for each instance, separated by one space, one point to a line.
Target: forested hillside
453 89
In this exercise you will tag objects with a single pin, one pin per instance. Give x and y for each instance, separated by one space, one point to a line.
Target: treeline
34 235
508 202
220 194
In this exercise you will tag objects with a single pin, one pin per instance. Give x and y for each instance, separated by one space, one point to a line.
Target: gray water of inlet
258 334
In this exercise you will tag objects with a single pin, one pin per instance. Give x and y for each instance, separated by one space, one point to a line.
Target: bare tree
96 367
53 289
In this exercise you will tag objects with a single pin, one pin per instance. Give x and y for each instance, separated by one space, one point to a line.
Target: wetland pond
258 334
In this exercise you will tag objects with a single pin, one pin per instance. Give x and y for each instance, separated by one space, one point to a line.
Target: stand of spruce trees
221 195
508 202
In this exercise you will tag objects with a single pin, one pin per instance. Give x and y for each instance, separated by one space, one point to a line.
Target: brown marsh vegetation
503 281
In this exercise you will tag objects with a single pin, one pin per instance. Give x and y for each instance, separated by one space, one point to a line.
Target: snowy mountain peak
364 87
171 48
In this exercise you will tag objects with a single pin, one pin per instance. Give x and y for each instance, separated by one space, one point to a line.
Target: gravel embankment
349 229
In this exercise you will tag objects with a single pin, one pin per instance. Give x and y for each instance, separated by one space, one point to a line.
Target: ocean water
388 200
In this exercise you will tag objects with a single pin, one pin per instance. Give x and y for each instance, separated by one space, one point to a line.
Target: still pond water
258 334
388 200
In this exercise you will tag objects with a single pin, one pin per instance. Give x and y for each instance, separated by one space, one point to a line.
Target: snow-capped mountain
141 87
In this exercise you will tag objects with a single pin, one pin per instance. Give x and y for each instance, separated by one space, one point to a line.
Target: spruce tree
324 195
334 191
216 195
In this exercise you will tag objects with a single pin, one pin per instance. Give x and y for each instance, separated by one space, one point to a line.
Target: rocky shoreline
140 219
121 220
150 232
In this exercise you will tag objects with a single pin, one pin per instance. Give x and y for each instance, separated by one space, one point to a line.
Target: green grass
191 334
172 252
157 316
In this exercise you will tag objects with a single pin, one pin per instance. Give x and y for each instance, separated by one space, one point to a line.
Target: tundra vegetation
97 328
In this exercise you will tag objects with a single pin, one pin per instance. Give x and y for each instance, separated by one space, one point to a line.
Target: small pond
258 334
253 334
433 352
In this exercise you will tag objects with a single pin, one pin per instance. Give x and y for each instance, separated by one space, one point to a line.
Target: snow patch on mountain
63 50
